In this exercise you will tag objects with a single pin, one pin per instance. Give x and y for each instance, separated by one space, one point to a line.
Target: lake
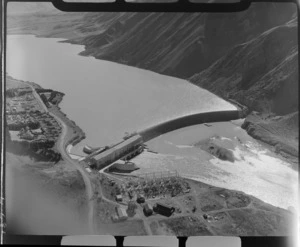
105 99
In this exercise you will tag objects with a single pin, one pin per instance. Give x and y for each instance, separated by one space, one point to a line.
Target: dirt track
61 146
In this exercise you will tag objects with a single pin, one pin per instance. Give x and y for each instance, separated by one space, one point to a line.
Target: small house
140 199
122 213
114 218
148 210
163 209
119 198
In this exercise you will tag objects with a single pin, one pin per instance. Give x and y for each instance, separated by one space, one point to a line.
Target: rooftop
117 146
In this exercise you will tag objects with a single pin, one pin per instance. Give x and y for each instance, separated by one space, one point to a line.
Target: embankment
77 134
280 132
199 118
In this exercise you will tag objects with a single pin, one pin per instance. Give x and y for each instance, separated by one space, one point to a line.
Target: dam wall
199 118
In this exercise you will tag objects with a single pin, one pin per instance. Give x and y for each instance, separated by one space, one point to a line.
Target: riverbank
76 135
281 133
31 122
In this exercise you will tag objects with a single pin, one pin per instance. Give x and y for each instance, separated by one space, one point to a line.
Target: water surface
256 170
105 99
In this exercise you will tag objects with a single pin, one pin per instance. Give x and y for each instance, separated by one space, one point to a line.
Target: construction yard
170 204
154 186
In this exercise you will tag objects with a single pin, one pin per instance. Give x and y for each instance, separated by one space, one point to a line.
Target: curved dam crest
185 121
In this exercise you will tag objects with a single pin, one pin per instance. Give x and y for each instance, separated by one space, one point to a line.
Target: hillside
282 132
177 44
263 75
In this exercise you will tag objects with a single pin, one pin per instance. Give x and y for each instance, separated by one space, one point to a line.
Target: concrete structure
114 218
131 208
88 170
126 149
140 199
163 209
122 213
148 210
124 167
181 122
119 198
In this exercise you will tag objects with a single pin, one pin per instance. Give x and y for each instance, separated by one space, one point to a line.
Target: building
131 208
37 131
119 198
163 209
27 136
114 218
126 148
140 199
122 214
123 167
148 210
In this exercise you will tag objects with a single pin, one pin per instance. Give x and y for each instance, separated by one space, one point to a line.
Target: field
186 226
127 228
13 83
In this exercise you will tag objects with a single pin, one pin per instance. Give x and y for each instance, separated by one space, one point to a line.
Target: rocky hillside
261 73
282 132
177 44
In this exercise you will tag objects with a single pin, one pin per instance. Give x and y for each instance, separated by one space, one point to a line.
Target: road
61 146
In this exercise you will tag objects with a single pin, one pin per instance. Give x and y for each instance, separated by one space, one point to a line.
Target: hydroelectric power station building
125 150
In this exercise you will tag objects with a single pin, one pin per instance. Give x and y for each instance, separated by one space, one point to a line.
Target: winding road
61 146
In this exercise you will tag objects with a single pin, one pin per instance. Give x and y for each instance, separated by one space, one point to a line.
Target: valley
171 65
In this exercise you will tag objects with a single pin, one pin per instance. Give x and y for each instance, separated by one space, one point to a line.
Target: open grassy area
186 226
251 222
13 83
127 228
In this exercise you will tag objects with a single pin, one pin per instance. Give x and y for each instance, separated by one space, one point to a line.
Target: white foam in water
268 178
255 170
